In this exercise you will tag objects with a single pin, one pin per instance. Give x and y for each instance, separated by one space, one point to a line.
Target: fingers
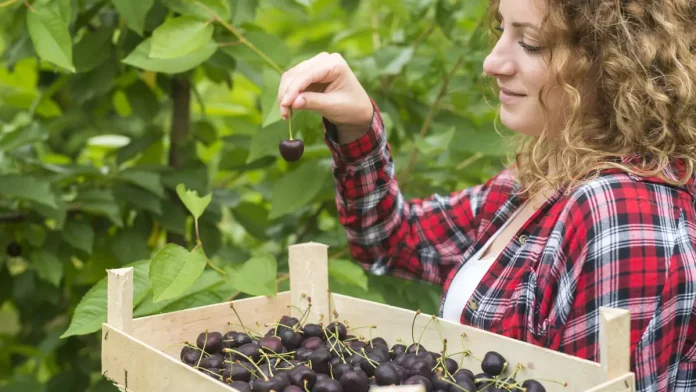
323 68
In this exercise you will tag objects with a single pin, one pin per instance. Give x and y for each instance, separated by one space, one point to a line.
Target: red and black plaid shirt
620 241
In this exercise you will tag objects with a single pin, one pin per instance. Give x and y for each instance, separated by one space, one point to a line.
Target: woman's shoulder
619 197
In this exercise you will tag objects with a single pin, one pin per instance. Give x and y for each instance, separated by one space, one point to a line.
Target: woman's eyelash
527 48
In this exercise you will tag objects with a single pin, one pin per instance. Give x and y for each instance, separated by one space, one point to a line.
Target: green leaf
48 266
35 234
138 198
10 324
243 10
137 146
205 132
147 180
27 188
257 276
221 8
269 97
79 234
435 142
195 204
207 281
266 140
272 45
34 132
174 269
349 272
93 49
297 188
100 202
179 36
50 36
91 311
140 58
391 60
134 12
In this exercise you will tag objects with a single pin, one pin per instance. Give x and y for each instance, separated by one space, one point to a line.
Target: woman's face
517 63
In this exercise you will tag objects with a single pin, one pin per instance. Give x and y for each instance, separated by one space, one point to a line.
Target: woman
598 209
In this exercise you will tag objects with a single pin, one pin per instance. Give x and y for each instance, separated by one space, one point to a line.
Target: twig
281 278
211 265
469 160
241 38
431 113
7 3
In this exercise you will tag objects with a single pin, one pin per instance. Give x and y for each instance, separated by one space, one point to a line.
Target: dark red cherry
533 386
291 150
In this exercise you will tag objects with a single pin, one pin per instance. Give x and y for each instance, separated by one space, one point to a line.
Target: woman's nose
499 61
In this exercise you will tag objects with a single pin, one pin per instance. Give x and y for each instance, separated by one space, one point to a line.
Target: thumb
319 102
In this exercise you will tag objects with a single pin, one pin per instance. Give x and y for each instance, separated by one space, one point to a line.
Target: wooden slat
625 383
168 331
134 366
394 322
614 342
309 277
120 299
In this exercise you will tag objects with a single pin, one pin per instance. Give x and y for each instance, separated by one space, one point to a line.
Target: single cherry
533 386
210 342
312 330
355 381
291 150
493 363
241 386
387 374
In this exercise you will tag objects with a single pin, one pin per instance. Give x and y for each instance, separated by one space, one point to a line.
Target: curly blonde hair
639 57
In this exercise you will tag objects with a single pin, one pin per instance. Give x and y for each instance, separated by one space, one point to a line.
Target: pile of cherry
292 357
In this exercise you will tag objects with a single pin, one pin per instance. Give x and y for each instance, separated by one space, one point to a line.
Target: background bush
107 106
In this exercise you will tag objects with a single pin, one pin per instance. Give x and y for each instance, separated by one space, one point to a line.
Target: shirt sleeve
418 239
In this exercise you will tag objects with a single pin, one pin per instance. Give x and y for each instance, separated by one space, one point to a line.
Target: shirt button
523 239
472 304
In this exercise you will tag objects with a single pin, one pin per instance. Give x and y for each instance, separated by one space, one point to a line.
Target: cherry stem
514 373
565 383
240 364
413 326
468 353
248 331
305 315
422 333
442 339
202 368
290 122
270 366
227 350
241 324
456 385
205 342
305 385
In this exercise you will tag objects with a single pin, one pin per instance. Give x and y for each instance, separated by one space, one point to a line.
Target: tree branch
429 117
179 132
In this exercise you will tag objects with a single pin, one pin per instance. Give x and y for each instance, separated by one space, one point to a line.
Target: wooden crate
142 354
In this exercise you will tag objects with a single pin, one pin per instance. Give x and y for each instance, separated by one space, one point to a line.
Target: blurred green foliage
107 106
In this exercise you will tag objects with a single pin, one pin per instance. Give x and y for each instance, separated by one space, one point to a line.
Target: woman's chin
519 121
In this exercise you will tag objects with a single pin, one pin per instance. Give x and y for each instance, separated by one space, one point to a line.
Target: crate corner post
309 278
614 349
119 318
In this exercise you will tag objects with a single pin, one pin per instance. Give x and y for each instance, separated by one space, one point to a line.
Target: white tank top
468 278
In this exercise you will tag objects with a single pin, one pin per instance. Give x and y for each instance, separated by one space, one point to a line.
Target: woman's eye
529 48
